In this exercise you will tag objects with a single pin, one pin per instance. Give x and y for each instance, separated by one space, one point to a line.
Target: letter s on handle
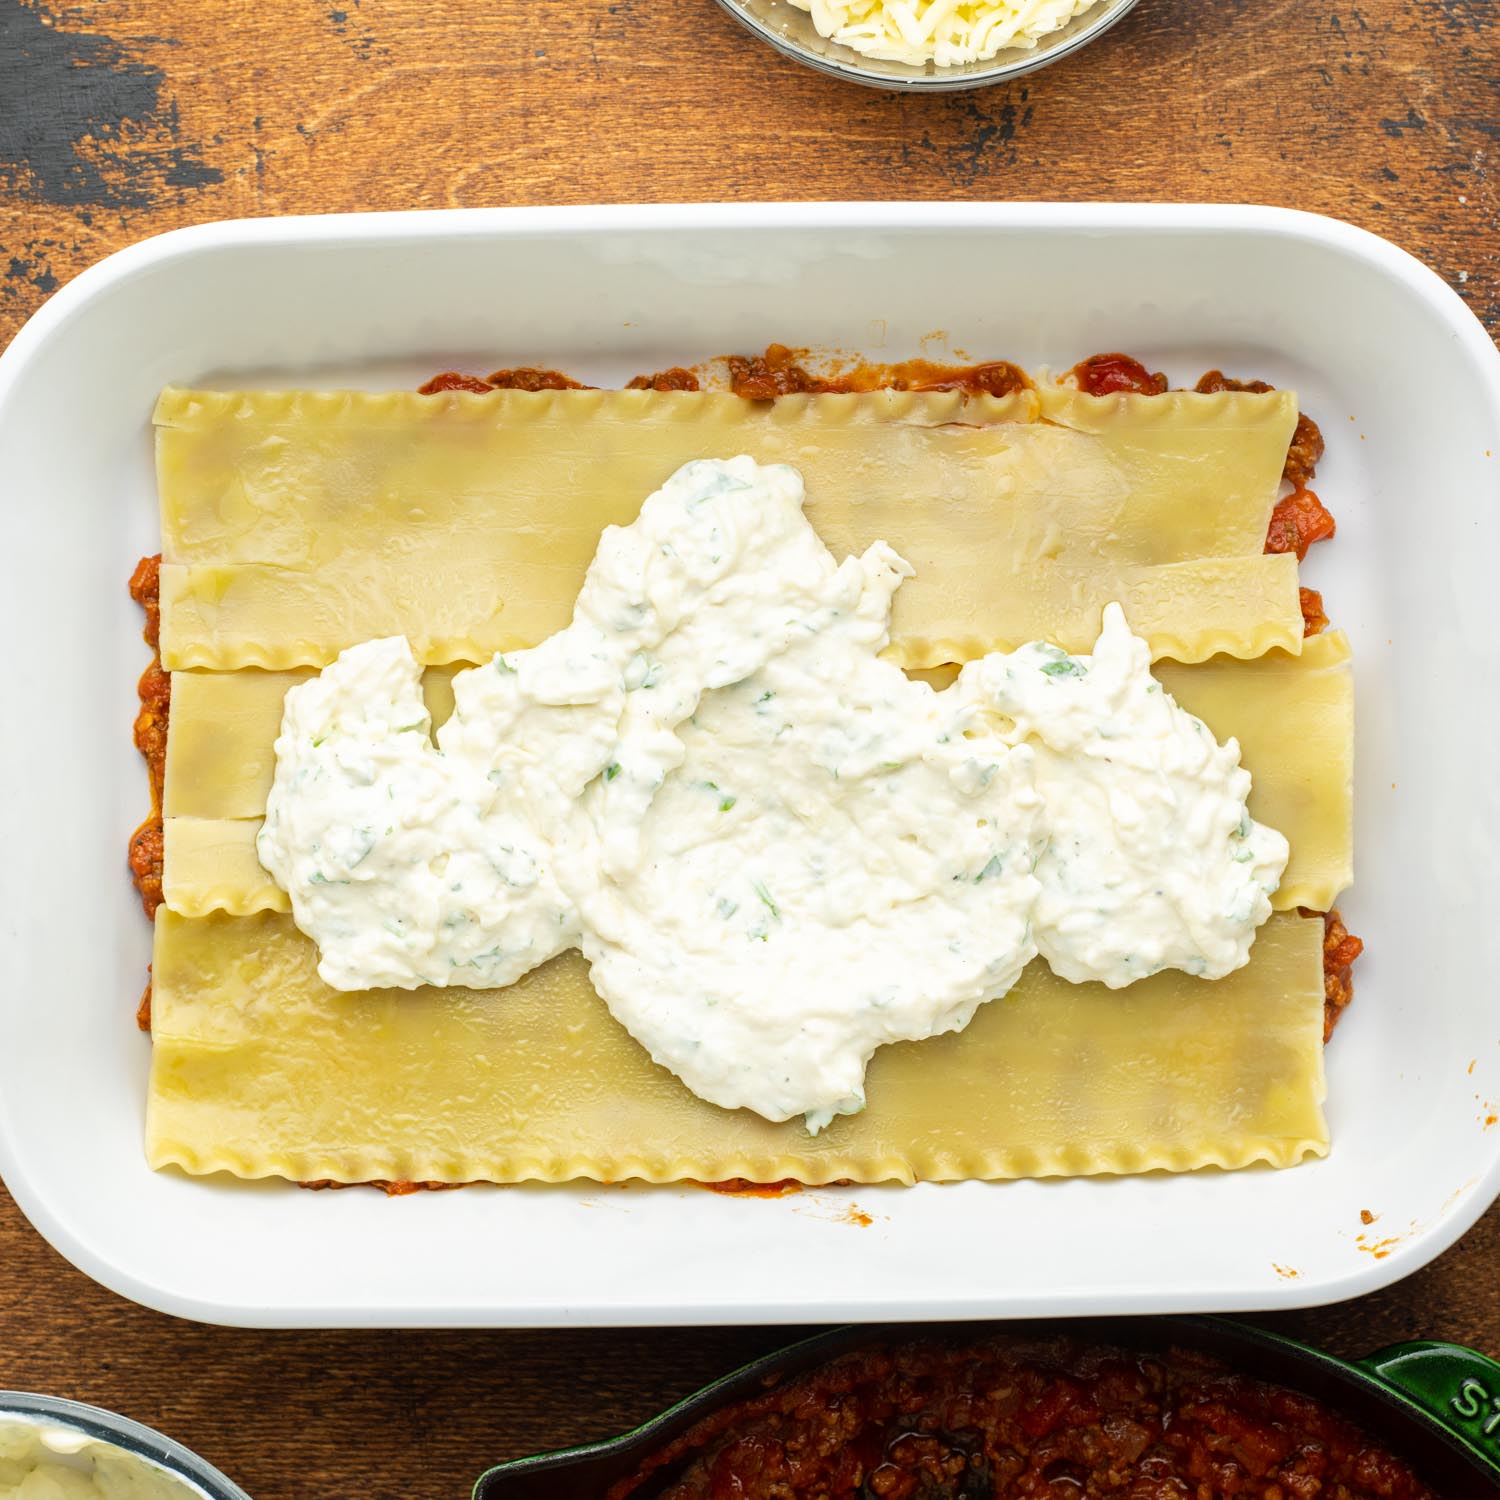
1470 1400
1457 1388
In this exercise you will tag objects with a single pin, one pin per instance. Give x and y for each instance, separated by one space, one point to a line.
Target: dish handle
1458 1388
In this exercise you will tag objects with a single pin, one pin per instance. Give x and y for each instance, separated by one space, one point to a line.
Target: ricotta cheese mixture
776 851
939 31
40 1462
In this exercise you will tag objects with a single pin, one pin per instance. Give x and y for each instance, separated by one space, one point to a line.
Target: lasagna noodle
221 751
211 864
261 1070
1293 717
297 523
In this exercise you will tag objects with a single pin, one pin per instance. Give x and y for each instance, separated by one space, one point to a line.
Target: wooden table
169 112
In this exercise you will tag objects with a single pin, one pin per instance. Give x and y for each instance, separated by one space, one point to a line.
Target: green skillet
1436 1405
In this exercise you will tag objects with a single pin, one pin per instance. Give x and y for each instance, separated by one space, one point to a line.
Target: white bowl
791 32
76 1431
1407 387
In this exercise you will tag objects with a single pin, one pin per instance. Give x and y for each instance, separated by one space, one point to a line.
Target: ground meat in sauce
1216 380
524 378
145 863
143 1007
397 1187
763 377
1340 949
1303 455
155 693
743 1187
778 372
994 378
154 689
675 379
451 380
1314 621
1008 1416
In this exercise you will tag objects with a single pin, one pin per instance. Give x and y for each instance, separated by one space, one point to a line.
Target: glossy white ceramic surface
1407 388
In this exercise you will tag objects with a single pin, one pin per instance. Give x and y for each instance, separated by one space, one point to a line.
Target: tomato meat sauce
154 690
675 379
1340 949
523 378
1009 1416
1314 620
780 372
1116 374
743 1187
392 1187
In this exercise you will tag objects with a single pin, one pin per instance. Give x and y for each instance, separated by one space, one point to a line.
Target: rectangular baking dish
1407 388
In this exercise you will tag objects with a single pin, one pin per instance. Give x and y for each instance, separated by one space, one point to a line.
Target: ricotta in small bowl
53 1449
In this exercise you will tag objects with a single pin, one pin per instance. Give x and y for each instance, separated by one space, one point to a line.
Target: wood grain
417 1415
135 116
128 117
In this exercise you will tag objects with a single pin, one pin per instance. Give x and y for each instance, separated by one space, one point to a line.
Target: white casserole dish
1407 388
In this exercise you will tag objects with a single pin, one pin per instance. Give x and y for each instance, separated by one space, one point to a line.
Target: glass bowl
197 1478
792 33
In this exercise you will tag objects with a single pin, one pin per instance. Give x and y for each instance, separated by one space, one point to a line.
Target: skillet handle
1459 1388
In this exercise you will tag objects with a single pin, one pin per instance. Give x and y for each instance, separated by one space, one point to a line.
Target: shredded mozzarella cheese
941 31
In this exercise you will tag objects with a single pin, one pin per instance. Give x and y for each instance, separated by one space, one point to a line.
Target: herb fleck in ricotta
776 851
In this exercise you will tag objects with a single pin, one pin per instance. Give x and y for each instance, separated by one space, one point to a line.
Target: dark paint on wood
83 120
